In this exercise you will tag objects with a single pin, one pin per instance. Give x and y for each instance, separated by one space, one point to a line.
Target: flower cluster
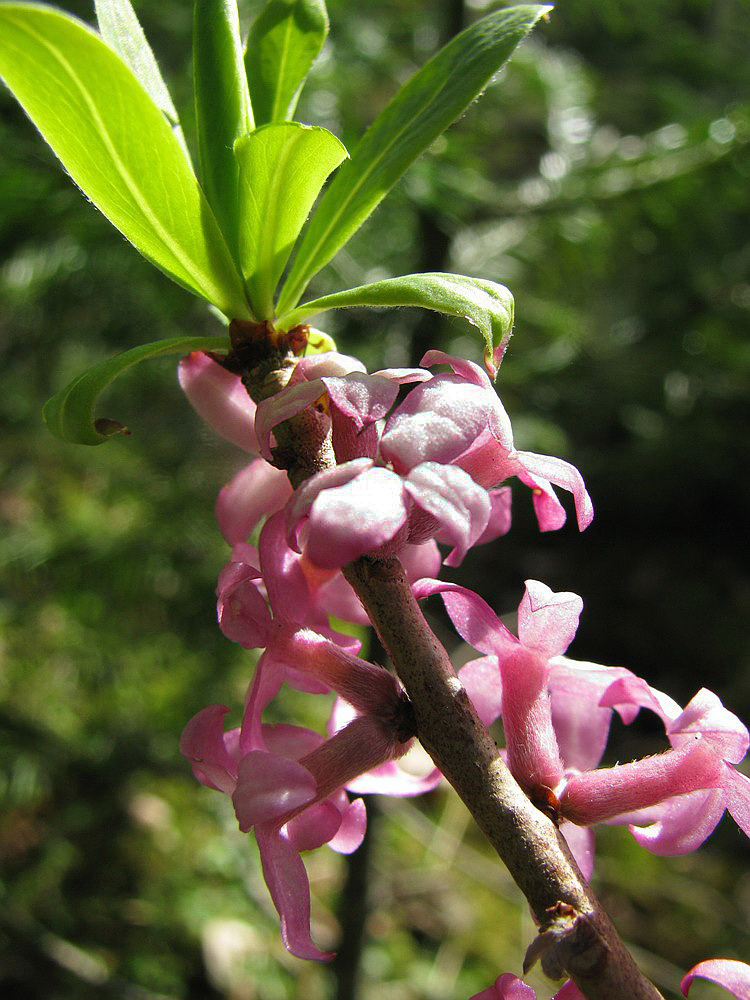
556 716
422 459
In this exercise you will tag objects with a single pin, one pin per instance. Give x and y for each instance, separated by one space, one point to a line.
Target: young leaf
283 43
222 106
121 30
69 414
282 169
486 305
116 145
416 116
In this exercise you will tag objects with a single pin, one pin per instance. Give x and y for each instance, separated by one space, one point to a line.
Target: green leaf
282 169
117 146
416 116
485 304
69 414
121 30
283 43
222 107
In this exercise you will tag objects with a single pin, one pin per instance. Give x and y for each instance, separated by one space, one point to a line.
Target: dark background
604 178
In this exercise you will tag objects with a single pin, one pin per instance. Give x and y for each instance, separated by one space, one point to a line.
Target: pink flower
707 736
732 976
287 783
556 715
459 420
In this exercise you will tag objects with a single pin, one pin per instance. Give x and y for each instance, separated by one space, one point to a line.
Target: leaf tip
106 428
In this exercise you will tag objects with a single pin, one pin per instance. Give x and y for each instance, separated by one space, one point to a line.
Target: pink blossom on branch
287 783
556 717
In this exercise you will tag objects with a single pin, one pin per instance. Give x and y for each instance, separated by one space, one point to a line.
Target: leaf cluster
227 231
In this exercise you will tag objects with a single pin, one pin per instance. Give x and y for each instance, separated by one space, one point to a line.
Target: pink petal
506 987
203 743
580 840
362 398
481 678
356 518
683 824
733 976
421 560
220 398
404 375
288 884
269 788
351 832
439 421
285 580
472 617
737 791
282 406
547 621
452 497
562 474
243 614
331 363
306 495
392 779
255 491
467 370
629 691
315 826
291 741
581 726
500 515
705 715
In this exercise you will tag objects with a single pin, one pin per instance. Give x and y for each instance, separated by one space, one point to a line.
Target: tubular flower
287 783
556 714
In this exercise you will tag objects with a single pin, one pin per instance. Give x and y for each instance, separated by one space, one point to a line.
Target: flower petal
220 398
472 617
481 678
547 621
727 973
255 491
203 743
452 497
288 884
270 787
355 518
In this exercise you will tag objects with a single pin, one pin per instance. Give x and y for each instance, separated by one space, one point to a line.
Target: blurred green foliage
605 180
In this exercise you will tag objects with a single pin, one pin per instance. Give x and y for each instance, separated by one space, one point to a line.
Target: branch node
567 942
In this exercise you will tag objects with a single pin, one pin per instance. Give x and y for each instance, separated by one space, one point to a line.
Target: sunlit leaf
222 106
282 169
416 116
121 30
485 304
283 43
117 146
69 414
